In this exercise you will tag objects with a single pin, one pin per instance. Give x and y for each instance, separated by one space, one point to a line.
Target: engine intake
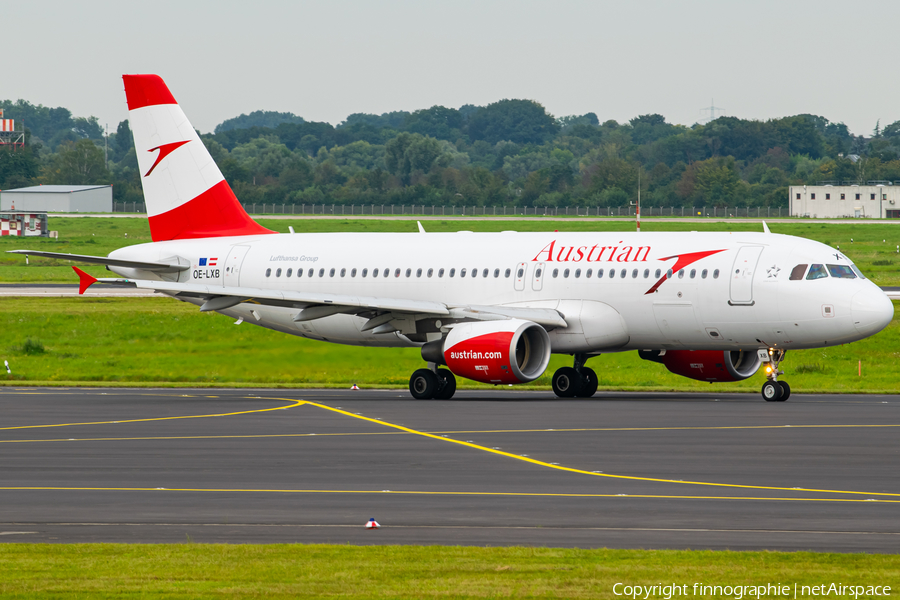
706 365
507 351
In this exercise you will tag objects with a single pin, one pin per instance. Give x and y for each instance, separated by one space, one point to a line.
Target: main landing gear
774 390
434 383
575 382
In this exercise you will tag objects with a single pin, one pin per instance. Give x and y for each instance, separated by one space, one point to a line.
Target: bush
32 347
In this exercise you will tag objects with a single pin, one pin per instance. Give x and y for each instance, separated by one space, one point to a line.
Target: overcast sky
757 59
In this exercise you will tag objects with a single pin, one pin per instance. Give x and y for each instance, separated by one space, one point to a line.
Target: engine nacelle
707 365
506 351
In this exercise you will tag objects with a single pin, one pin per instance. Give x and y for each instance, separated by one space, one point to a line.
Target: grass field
161 341
316 571
873 246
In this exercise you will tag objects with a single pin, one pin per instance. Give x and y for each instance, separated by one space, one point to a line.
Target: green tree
78 163
18 168
519 121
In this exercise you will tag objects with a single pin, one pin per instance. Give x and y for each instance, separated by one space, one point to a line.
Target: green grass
121 341
316 571
874 246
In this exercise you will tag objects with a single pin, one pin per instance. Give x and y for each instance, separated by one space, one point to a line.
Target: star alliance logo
773 271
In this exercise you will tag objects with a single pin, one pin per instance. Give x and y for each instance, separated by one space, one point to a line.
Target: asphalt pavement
621 470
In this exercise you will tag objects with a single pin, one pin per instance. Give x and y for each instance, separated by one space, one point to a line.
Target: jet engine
707 365
506 351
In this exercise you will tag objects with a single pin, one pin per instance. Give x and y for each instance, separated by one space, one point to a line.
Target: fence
449 211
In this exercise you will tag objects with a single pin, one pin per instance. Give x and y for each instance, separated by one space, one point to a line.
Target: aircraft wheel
589 383
567 383
785 391
448 385
771 391
423 384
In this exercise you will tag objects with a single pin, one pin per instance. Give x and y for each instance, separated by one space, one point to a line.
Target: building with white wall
58 198
845 201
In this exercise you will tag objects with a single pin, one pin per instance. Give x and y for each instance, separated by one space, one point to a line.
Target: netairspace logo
739 592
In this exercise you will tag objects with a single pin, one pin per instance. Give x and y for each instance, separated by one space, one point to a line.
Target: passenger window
277 272
289 271
496 273
669 274
646 273
817 272
634 274
841 272
396 272
374 272
693 273
484 273
716 274
452 272
681 274
353 273
555 273
418 272
462 272
321 272
566 273
343 272
599 273
658 274
612 273
440 272
508 273
704 273
365 272
622 273
309 273
331 272
299 272
474 272
577 273
588 273
798 272
268 272
430 272
408 273
538 272
520 273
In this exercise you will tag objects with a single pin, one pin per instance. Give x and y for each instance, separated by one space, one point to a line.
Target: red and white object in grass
373 524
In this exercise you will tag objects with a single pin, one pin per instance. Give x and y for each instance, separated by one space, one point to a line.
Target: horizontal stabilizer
113 262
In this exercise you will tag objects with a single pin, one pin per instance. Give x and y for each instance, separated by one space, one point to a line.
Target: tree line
508 153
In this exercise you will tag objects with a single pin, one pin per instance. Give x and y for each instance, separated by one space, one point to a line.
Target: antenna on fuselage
637 212
421 229
765 228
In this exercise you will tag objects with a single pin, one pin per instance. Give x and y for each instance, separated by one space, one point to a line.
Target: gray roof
57 189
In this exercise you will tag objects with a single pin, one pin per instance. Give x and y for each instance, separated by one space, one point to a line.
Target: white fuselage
733 293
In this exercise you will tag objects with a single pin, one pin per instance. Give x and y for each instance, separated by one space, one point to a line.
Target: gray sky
758 59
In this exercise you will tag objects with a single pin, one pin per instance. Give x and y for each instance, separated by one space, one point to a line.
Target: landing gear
575 382
774 390
426 384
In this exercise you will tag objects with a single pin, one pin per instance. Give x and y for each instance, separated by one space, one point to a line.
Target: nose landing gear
774 390
575 382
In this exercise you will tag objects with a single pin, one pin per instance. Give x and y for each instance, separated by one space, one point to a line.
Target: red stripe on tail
146 90
214 213
84 280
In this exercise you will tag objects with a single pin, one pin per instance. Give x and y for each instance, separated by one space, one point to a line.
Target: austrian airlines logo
683 261
164 151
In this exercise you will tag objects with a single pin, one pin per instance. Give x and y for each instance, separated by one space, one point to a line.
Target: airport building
878 200
58 198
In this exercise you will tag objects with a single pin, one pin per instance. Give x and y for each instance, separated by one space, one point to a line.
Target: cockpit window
817 272
841 272
798 272
857 271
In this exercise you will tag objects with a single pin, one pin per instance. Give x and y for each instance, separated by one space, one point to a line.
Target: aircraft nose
871 310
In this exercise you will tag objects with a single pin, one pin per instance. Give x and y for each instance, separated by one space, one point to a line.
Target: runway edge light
373 524
354 387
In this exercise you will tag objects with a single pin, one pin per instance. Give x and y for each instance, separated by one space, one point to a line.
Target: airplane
490 307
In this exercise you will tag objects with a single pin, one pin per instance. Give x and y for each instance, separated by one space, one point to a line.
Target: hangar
58 198
878 200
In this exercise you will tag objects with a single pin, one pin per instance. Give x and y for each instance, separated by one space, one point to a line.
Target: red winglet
84 280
